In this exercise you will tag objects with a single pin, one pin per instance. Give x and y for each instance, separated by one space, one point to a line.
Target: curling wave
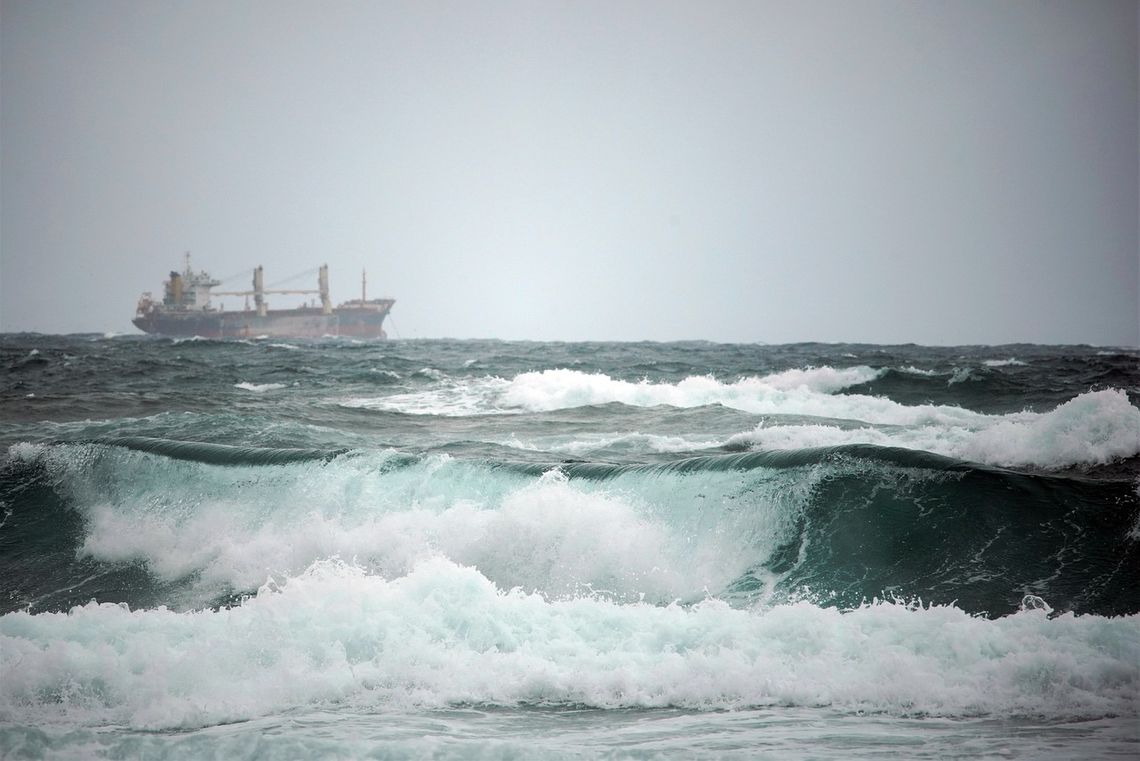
836 525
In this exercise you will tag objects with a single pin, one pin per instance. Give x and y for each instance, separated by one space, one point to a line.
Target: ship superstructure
186 309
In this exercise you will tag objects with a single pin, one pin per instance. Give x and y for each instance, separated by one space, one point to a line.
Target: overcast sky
936 172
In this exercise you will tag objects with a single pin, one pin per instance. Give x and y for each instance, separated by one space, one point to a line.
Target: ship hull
279 323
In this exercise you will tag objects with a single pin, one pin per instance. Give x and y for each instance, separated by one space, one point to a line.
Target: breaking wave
443 634
187 525
1093 429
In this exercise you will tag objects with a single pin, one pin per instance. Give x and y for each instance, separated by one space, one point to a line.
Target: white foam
792 391
213 529
259 387
444 635
780 394
1092 429
560 389
549 535
448 399
26 452
824 380
912 370
1011 362
583 444
960 375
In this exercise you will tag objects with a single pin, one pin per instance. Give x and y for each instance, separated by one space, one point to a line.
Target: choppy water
507 550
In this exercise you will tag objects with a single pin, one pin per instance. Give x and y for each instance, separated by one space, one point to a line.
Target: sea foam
559 389
259 387
444 635
793 392
1092 429
550 534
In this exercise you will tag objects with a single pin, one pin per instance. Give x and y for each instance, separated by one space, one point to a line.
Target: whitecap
1094 428
445 635
259 387
960 375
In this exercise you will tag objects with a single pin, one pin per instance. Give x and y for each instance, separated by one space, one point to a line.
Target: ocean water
485 549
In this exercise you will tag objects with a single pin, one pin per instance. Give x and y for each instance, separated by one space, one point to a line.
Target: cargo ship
186 310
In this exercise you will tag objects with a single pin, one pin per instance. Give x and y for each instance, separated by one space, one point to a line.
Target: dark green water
410 548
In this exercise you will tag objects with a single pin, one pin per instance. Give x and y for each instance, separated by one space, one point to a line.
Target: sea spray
506 549
755 528
444 634
1092 429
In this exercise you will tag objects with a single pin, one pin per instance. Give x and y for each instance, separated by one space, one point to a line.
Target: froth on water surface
577 732
456 549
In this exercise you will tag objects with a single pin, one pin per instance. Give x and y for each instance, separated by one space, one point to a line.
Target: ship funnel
175 289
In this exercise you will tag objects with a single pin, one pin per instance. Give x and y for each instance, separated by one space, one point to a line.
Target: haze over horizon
883 171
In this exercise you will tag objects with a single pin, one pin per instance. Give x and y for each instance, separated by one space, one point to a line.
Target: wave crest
1095 428
445 635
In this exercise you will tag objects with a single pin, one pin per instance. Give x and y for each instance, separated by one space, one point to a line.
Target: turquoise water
462 549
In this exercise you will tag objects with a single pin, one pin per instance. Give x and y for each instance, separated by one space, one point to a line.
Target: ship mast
323 289
363 287
259 291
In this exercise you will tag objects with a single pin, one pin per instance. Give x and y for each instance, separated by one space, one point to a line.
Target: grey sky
936 172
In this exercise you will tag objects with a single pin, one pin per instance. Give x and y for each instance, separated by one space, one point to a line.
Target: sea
453 549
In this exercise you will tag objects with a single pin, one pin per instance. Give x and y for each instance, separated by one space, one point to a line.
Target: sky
884 171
